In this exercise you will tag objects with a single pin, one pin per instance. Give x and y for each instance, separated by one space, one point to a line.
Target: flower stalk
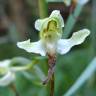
52 85
51 63
42 8
13 88
72 20
73 16
50 77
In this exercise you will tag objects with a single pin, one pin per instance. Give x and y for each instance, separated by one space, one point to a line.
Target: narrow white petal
7 79
64 45
56 13
35 47
5 63
79 37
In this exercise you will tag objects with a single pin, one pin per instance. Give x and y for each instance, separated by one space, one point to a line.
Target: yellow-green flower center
3 70
51 32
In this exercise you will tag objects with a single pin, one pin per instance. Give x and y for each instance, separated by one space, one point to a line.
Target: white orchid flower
50 37
7 72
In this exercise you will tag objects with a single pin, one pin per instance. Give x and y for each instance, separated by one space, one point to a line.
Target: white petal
35 47
16 69
64 45
79 37
82 2
7 79
67 2
56 13
39 23
5 63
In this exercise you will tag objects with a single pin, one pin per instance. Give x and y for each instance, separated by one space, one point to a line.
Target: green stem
93 27
43 10
72 20
13 88
52 85
17 6
50 77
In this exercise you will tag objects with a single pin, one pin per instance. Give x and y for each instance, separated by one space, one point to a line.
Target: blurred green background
17 19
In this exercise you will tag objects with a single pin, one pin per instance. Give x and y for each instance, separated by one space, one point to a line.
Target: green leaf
88 72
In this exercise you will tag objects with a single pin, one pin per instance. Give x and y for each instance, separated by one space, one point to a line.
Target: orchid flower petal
16 69
39 23
35 47
64 45
7 79
55 14
5 63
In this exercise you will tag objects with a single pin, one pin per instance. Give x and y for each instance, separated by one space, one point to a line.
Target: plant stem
50 77
13 88
93 27
51 62
43 10
72 20
52 85
18 31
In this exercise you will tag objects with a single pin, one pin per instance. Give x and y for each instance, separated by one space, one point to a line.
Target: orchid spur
7 72
51 41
